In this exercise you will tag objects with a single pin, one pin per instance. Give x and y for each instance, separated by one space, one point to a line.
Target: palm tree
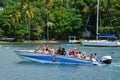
49 4
27 12
15 17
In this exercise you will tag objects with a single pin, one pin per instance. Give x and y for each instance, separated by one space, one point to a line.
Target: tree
31 19
27 12
49 4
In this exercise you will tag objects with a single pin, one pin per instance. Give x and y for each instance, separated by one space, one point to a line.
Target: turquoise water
14 68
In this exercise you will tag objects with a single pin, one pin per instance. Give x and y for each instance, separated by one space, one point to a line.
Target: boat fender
53 58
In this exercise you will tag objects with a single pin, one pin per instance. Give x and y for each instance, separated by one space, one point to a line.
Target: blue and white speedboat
52 58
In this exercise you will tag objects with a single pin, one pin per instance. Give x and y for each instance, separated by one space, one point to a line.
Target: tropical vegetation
57 19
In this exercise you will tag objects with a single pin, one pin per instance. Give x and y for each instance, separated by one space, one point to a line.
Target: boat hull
50 58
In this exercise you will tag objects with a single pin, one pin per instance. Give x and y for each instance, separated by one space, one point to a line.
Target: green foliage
38 19
20 35
1 33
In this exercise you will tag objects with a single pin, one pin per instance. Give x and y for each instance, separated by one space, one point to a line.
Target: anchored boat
100 43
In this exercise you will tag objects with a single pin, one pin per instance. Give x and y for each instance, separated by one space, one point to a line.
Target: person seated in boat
95 56
37 49
91 56
84 55
78 55
45 50
59 51
51 50
70 54
73 52
63 51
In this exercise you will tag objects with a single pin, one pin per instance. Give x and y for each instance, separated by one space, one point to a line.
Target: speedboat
62 59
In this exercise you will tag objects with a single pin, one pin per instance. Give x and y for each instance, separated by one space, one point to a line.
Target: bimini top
109 36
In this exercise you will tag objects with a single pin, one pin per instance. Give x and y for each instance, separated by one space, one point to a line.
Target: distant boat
61 59
101 43
72 39
1 8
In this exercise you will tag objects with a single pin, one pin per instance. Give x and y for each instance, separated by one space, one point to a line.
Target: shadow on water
32 63
27 63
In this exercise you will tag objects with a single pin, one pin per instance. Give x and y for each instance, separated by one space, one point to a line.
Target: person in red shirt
74 51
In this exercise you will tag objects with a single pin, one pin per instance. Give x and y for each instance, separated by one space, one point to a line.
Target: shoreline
35 41
42 41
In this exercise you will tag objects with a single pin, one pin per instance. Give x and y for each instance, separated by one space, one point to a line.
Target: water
14 68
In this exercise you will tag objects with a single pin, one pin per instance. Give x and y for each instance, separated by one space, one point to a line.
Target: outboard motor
106 59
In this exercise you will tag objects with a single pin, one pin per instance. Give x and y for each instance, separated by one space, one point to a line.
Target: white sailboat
100 43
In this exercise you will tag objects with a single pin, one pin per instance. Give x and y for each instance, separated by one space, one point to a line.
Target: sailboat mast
97 19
